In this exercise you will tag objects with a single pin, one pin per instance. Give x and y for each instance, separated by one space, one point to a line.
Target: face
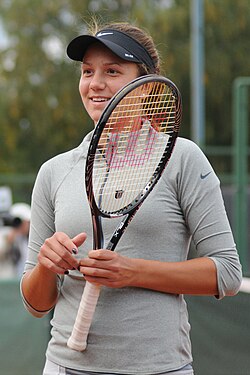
103 74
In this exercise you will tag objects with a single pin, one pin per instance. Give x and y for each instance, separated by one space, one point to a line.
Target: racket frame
78 338
130 210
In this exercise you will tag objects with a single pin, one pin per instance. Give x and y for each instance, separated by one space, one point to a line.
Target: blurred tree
41 113
227 37
41 110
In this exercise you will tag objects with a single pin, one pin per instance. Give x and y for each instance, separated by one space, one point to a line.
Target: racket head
131 145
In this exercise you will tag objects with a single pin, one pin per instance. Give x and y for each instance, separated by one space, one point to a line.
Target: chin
96 117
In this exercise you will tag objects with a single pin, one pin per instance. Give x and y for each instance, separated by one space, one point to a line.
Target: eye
112 71
86 72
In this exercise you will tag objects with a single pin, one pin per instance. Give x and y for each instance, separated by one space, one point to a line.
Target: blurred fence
23 338
220 334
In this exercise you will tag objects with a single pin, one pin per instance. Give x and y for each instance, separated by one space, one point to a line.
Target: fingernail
74 251
66 272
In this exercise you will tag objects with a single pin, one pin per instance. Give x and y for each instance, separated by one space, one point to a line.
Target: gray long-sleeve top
135 331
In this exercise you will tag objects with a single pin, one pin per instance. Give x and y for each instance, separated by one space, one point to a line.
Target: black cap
119 43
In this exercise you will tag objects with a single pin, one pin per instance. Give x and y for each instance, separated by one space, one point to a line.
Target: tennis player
140 325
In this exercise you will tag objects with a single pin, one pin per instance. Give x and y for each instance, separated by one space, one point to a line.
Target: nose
97 82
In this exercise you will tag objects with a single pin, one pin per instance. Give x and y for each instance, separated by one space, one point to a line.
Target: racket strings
165 120
132 145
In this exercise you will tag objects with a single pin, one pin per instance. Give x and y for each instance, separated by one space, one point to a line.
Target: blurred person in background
7 268
14 240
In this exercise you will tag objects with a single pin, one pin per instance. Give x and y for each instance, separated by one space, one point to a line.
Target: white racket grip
78 338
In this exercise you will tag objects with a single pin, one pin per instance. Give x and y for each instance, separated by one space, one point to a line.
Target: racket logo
131 150
119 194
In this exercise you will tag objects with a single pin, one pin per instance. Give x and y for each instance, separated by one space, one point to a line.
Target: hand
105 267
57 252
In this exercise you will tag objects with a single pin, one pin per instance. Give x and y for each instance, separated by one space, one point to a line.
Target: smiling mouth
100 100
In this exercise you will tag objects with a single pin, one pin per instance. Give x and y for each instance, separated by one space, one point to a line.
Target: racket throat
97 232
119 231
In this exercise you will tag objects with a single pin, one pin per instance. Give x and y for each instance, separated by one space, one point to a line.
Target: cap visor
78 47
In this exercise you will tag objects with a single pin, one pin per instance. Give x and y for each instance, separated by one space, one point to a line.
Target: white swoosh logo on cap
127 55
103 34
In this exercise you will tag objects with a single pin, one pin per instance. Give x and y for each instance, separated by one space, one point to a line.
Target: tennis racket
128 152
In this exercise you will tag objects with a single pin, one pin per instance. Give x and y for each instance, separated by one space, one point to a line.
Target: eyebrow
107 63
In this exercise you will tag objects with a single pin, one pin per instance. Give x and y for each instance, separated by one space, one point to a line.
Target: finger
71 244
96 272
99 259
58 255
58 249
65 241
46 262
79 239
102 254
104 281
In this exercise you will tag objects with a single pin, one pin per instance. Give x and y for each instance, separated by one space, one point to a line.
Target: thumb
79 239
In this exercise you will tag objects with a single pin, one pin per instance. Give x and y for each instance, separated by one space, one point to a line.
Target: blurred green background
41 115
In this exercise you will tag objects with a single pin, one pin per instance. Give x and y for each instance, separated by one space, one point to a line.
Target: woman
141 323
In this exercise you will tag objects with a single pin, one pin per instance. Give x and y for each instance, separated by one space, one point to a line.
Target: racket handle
78 338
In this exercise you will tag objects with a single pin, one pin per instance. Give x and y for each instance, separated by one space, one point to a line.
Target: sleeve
41 226
35 312
203 206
